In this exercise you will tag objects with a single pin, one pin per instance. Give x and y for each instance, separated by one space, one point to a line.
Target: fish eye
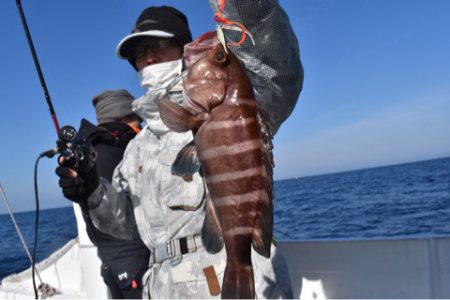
220 58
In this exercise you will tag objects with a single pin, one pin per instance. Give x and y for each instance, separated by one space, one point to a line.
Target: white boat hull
393 268
389 268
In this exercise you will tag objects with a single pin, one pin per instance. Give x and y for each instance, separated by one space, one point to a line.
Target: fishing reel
78 152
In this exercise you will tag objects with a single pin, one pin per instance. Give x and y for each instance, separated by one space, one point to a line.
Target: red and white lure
224 23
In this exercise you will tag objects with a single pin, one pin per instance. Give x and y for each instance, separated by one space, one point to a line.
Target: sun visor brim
128 41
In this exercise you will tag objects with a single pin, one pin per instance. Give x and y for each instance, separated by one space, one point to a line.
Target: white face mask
160 76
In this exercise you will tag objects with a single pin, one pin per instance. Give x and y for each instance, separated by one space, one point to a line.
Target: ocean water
407 200
56 227
410 199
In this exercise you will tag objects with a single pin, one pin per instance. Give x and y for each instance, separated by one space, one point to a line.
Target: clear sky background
376 90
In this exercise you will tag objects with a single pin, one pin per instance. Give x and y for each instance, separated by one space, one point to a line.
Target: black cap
157 21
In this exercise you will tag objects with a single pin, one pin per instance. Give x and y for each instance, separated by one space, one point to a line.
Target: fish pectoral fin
211 232
177 117
187 162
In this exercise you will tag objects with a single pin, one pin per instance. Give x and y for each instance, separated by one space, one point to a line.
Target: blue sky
376 88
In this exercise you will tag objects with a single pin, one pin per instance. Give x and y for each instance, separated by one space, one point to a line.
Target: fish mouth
197 49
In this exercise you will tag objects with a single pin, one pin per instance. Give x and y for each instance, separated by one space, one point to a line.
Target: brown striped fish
233 143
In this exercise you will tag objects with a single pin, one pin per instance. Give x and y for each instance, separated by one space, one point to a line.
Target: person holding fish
197 180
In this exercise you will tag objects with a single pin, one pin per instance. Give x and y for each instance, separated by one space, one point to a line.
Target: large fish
233 143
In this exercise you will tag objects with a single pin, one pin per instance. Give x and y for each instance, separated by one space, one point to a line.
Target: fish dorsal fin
267 131
262 236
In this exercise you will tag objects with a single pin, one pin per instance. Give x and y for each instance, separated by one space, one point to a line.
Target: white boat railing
388 268
74 270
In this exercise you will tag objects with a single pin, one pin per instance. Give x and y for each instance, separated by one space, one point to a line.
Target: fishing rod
78 154
38 67
56 124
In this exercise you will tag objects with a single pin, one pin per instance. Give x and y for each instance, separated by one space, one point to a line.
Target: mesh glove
77 187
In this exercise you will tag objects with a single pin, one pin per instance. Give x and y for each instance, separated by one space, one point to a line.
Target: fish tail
238 282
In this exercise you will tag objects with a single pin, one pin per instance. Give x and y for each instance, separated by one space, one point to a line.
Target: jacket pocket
177 192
